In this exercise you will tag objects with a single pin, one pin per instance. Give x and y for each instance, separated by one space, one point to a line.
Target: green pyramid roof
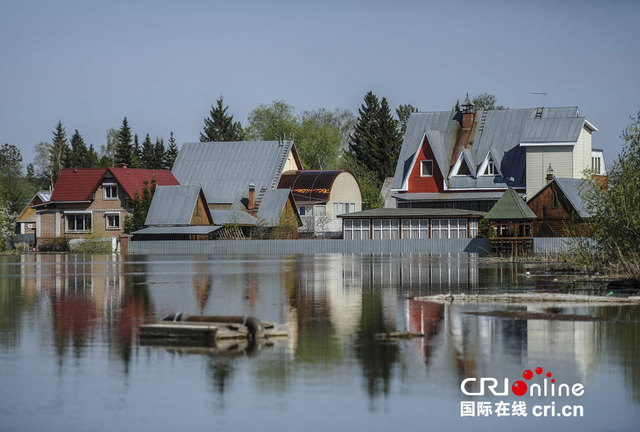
510 206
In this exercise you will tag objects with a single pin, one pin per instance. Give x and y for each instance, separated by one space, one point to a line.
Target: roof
232 217
272 206
224 168
573 190
198 229
501 133
310 185
510 207
42 195
410 213
172 205
449 196
79 184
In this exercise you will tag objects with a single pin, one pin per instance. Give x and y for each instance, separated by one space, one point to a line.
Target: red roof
78 184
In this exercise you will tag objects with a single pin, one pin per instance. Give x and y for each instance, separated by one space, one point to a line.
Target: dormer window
463 166
463 169
426 168
491 168
110 191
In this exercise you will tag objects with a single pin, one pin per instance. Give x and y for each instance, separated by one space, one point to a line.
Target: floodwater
71 359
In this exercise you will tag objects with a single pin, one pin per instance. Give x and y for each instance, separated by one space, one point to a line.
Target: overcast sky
162 64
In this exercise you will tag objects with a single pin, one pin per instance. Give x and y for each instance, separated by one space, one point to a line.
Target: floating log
398 335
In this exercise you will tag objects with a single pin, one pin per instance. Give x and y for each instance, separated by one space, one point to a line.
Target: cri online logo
520 388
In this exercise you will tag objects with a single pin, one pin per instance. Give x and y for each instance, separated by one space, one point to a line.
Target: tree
7 221
124 146
403 112
318 145
219 126
376 141
148 153
139 208
172 152
79 155
108 150
137 152
483 101
92 157
158 154
615 211
341 119
14 190
272 122
59 152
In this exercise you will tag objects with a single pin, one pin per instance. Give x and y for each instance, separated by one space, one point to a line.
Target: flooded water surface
72 360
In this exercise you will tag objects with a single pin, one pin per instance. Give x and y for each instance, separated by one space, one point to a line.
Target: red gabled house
93 202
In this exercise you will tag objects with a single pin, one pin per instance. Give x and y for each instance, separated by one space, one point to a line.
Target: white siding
538 160
345 189
582 154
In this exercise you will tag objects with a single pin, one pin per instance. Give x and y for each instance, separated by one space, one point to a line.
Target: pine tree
93 161
158 154
59 152
148 153
219 126
79 155
124 147
172 152
137 153
375 142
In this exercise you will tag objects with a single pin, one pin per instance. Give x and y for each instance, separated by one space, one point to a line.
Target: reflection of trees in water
622 340
12 304
377 358
220 372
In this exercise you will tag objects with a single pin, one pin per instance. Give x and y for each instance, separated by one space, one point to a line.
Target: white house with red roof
93 202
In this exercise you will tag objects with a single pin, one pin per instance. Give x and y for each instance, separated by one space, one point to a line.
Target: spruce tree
148 153
79 155
59 152
137 152
172 152
219 126
389 141
124 147
158 154
93 161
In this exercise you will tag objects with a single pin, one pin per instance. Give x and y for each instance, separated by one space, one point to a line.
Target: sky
162 64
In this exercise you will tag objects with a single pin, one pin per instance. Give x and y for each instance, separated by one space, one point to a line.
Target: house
467 159
178 213
560 207
93 202
410 223
26 220
321 196
512 224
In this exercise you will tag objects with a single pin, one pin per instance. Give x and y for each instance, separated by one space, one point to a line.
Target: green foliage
124 145
158 155
148 153
139 208
615 221
172 152
272 122
108 150
59 152
403 112
219 126
376 141
485 230
371 197
7 222
80 156
15 190
318 144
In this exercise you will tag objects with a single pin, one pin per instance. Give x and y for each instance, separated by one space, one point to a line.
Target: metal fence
547 245
388 246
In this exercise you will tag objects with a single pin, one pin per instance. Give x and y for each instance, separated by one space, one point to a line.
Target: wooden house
560 208
512 224
26 221
467 159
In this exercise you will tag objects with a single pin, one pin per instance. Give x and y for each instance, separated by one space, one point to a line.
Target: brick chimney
468 114
252 197
550 175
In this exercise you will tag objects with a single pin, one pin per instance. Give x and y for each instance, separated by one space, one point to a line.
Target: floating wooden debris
189 330
528 298
526 315
398 335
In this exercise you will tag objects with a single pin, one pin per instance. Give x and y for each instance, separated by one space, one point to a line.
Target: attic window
426 168
463 169
491 167
110 191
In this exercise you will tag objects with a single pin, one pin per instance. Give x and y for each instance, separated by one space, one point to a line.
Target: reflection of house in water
426 318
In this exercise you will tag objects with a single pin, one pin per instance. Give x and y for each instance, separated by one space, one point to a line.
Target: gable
417 180
201 213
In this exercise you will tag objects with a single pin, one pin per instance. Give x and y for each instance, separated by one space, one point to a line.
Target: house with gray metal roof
561 207
467 159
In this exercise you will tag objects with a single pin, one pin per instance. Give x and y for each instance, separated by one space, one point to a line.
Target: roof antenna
543 94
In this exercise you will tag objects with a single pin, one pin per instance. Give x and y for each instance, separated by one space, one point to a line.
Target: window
426 168
463 169
110 191
491 167
448 228
473 228
555 198
415 228
595 165
356 229
385 228
302 210
320 210
113 220
343 208
78 222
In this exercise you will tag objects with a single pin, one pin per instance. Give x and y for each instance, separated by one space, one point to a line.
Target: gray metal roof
232 217
574 190
178 230
172 205
449 196
501 133
410 213
564 129
44 195
272 205
224 168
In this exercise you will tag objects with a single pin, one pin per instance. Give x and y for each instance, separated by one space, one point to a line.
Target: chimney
252 197
550 175
468 113
123 165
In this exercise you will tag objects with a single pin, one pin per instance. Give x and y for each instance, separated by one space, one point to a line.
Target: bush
54 245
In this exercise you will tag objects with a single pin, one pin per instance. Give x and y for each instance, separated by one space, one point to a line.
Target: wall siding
538 160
